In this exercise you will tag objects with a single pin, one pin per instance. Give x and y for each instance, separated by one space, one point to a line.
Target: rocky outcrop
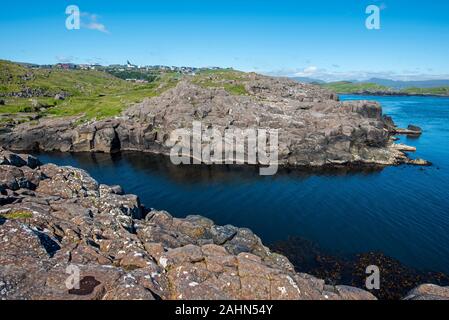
410 131
58 220
315 129
429 292
36 92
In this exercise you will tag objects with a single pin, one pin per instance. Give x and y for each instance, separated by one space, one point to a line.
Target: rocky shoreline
52 218
315 128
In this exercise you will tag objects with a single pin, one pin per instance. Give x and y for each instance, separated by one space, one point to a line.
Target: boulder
351 293
428 292
414 128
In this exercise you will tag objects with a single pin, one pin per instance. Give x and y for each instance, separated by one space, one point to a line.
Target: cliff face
315 129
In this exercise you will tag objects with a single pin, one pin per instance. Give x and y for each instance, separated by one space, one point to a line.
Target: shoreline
191 225
352 167
315 129
161 253
146 248
398 155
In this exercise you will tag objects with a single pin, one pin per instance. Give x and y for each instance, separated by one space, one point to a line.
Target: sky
320 39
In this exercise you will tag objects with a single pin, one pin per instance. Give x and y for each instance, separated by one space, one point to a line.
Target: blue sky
319 39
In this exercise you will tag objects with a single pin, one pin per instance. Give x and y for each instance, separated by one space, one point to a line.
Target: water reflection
204 174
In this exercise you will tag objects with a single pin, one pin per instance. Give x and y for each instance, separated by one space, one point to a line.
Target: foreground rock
429 292
54 220
58 220
315 129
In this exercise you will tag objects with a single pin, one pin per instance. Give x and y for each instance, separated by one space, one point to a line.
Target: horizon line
321 75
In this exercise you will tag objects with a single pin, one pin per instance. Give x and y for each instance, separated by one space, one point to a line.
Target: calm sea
400 211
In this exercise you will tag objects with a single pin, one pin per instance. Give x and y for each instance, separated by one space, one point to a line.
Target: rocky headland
315 128
54 220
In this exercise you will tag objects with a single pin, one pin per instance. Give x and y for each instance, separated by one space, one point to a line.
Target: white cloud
306 72
90 21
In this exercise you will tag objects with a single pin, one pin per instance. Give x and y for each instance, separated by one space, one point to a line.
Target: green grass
105 105
16 105
17 215
350 87
228 74
134 74
237 90
230 80
92 94
430 91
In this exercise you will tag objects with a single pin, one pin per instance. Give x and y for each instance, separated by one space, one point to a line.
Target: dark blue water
400 211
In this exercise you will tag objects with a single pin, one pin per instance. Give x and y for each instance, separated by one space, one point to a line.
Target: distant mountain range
308 80
408 84
394 84
377 86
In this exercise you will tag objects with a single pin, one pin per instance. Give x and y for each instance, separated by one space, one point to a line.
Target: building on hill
130 65
66 66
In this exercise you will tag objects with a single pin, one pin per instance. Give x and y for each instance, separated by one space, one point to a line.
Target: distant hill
369 88
383 86
357 87
308 80
408 84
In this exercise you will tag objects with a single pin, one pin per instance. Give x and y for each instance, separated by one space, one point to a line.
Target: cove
402 211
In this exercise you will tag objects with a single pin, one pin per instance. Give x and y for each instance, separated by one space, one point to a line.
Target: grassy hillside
29 92
230 80
354 88
88 93
350 87
431 91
